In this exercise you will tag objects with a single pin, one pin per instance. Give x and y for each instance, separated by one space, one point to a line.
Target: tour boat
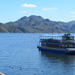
65 44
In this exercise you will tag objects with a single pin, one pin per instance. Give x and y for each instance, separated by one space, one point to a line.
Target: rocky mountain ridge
37 24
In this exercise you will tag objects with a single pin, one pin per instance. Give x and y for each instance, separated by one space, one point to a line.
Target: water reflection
61 57
62 63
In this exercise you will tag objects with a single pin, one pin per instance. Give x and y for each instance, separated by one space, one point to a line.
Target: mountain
37 24
3 28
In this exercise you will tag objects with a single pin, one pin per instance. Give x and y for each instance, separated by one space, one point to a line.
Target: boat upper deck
66 41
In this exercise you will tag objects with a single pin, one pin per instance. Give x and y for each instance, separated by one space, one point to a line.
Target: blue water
19 56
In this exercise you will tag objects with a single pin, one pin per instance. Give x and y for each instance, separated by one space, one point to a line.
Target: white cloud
47 9
23 12
72 12
29 5
62 20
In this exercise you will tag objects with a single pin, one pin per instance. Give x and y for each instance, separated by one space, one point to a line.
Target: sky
55 10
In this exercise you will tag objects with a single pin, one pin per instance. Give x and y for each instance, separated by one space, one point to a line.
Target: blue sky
56 10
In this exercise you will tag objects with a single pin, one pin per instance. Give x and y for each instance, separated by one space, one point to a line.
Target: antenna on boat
52 33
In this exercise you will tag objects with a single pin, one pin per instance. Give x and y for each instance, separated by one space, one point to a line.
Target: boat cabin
66 41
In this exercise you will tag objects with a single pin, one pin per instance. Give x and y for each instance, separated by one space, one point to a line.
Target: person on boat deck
68 37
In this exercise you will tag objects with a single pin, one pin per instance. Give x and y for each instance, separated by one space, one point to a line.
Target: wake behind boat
64 45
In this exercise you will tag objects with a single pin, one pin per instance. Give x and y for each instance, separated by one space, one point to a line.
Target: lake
19 56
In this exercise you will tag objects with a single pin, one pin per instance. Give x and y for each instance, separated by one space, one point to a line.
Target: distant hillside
37 24
3 28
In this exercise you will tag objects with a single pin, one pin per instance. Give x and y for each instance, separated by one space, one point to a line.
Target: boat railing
58 37
72 41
